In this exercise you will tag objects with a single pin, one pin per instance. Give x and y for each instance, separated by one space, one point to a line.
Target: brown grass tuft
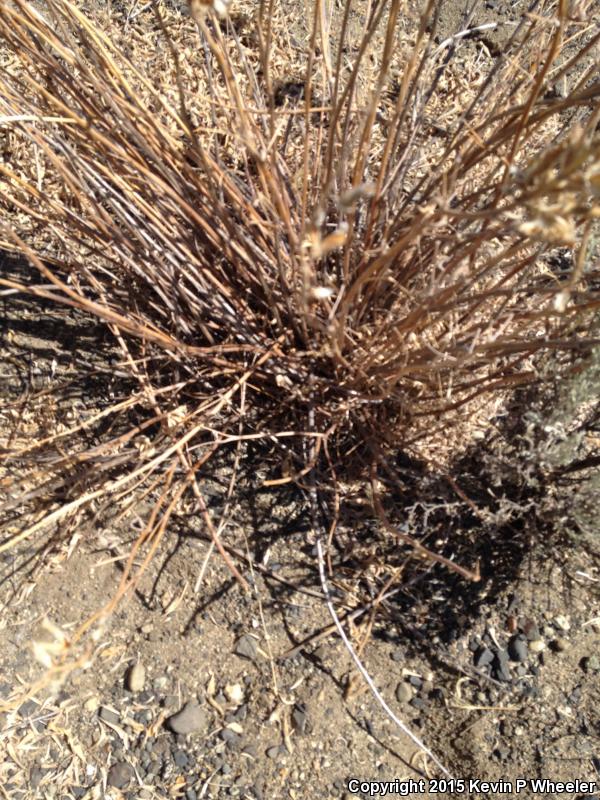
331 261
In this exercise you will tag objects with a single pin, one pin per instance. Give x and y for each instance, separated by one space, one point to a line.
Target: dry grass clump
328 261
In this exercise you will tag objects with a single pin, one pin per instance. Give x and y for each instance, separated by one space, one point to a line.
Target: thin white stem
377 694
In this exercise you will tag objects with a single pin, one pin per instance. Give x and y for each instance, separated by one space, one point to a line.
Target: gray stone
517 648
170 701
483 657
120 774
251 750
109 716
191 719
28 708
501 668
404 692
591 663
246 647
321 652
273 752
300 718
181 758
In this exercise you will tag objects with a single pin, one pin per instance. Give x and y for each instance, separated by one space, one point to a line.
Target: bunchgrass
332 245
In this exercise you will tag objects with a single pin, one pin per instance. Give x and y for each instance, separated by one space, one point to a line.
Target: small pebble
438 694
517 648
501 668
531 630
109 716
234 693
483 657
562 623
120 774
590 664
181 759
559 645
136 678
161 683
273 752
246 647
190 719
404 692
536 646
299 718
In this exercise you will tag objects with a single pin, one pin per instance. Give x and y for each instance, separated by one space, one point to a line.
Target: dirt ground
500 679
